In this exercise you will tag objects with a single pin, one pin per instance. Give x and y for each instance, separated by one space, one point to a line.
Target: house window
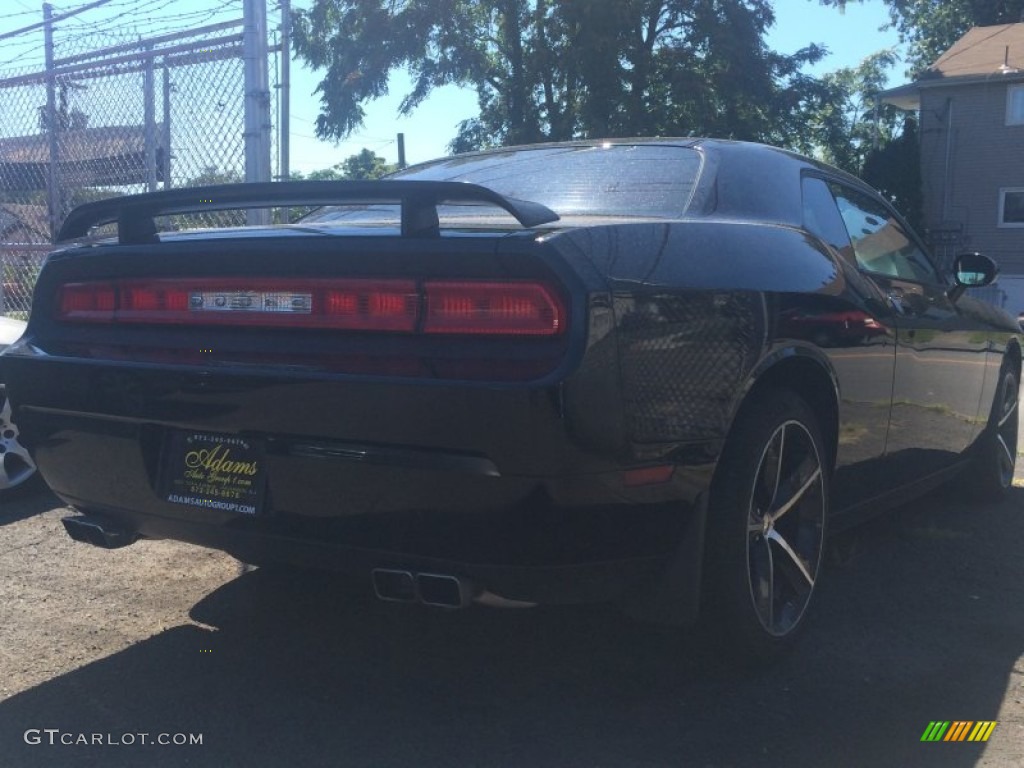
1015 105
1011 207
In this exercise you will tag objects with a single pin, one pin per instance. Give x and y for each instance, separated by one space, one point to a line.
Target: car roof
738 170
724 146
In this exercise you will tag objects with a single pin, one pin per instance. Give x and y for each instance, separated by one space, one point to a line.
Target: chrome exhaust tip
444 591
395 586
434 589
98 533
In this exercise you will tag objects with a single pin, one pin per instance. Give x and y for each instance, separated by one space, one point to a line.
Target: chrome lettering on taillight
250 301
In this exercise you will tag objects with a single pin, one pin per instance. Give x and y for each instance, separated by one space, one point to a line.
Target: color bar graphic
959 730
935 730
982 730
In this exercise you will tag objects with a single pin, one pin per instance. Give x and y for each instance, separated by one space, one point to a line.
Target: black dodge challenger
655 372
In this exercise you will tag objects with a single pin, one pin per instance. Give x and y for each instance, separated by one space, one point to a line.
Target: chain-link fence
132 117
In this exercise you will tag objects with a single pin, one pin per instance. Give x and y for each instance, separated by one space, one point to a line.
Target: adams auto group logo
958 730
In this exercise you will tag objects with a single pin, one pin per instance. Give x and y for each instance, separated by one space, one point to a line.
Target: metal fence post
53 195
257 101
149 117
166 160
283 127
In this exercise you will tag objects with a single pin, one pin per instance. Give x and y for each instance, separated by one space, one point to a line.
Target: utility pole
257 100
401 151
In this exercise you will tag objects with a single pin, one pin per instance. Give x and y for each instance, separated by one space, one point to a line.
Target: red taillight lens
154 301
372 305
519 308
91 302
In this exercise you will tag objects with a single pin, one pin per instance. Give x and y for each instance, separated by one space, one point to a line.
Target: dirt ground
920 618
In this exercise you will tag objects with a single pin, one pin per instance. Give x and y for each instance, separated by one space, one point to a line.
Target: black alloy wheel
766 526
990 475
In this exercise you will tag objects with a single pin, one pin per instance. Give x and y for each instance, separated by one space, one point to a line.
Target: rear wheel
766 526
17 470
991 473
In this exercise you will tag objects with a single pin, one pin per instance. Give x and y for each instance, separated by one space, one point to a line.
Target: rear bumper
545 540
505 486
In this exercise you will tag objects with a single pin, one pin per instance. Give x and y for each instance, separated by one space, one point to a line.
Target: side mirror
971 270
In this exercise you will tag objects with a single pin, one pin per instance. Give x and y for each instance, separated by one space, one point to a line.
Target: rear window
640 180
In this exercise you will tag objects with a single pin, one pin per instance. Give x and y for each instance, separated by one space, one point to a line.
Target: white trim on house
1002 206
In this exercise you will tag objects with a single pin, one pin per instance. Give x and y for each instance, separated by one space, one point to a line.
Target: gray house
971 106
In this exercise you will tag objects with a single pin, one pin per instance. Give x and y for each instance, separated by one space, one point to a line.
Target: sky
850 37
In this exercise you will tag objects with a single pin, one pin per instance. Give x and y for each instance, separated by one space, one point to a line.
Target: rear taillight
516 308
521 309
88 301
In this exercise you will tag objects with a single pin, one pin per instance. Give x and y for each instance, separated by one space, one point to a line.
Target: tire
990 473
17 470
766 525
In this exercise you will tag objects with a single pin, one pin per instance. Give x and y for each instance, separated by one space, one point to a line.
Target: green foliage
211 175
555 70
839 114
365 165
334 173
895 170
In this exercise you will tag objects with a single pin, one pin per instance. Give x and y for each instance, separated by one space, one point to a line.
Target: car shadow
28 503
920 619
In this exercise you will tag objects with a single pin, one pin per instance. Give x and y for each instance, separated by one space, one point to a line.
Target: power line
143 15
152 16
59 17
19 13
24 50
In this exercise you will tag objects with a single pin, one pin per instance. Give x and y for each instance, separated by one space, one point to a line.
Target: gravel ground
920 618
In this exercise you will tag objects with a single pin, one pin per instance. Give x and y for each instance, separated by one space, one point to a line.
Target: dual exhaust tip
439 590
436 589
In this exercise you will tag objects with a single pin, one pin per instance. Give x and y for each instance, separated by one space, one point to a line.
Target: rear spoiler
419 200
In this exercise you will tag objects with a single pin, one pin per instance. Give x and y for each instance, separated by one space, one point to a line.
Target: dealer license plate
218 472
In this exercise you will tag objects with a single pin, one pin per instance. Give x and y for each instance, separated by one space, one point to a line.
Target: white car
16 466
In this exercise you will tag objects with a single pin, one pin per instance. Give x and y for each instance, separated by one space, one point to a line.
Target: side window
880 243
821 218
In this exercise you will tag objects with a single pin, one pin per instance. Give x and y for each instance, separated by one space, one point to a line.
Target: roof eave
908 95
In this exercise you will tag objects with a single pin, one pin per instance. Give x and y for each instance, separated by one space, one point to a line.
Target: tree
211 175
930 27
895 170
365 165
846 126
559 69
841 119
